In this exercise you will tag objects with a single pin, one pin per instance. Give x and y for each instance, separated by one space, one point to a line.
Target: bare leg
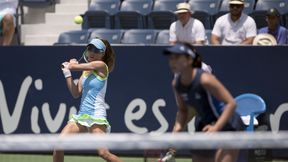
108 156
226 155
104 153
58 156
71 127
8 29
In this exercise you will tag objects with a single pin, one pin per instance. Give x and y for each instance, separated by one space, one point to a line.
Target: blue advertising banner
34 97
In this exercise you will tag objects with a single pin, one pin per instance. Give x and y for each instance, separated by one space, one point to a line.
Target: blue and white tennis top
208 108
93 95
92 107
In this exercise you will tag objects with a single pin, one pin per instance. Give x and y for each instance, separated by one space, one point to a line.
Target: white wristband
67 73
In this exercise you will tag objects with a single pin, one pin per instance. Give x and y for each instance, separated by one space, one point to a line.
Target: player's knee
99 129
70 128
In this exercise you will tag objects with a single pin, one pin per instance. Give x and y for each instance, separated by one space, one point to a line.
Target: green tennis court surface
68 158
72 158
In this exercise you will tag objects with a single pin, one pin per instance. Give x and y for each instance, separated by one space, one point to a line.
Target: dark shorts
234 124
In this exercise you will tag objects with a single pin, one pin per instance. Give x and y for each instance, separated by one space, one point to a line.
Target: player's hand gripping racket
84 56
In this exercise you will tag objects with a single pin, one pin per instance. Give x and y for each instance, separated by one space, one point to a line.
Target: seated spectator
186 28
235 27
274 28
7 20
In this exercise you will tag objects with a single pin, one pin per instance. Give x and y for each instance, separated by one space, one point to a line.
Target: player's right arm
74 89
182 112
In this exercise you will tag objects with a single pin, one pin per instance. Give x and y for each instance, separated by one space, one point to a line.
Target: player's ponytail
198 59
109 57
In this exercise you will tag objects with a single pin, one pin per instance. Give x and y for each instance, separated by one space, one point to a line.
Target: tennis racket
83 56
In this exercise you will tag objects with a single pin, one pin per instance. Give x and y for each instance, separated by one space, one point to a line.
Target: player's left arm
217 89
99 66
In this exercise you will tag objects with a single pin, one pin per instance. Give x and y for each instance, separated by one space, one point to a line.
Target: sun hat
183 8
264 39
237 2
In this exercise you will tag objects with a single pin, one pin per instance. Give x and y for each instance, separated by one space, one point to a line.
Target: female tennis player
210 102
91 117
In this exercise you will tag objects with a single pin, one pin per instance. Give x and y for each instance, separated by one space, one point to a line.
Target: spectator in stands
235 27
7 20
186 28
274 28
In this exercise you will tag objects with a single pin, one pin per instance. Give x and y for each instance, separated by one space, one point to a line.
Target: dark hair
109 57
198 59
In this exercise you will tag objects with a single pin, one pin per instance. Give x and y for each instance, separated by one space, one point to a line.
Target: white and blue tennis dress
92 107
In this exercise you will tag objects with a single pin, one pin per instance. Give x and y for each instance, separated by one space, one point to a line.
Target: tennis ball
78 19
